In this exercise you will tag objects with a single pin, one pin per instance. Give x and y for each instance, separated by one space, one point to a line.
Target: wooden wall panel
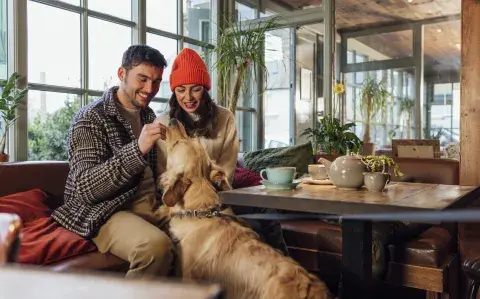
470 94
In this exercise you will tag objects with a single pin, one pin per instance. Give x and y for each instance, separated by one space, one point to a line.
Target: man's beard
133 100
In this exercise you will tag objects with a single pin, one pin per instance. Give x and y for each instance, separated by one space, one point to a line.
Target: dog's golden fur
221 249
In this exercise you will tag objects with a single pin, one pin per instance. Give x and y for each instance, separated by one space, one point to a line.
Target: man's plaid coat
106 166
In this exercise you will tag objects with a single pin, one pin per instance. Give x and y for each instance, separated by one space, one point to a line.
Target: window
49 118
196 16
245 12
244 126
55 57
3 40
158 107
54 52
196 19
276 99
162 15
105 54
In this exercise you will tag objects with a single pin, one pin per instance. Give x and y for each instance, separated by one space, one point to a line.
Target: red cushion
28 205
43 241
244 177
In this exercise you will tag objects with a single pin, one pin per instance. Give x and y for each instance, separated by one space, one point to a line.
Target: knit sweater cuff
133 159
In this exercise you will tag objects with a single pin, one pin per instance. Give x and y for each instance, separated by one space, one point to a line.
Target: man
110 189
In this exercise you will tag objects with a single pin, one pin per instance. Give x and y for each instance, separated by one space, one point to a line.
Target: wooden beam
388 27
470 94
468 233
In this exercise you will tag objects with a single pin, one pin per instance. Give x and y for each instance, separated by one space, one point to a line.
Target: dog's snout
173 122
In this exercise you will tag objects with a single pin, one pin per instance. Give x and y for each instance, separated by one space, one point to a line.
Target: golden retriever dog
215 247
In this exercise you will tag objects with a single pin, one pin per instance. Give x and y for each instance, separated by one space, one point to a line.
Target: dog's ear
219 178
173 193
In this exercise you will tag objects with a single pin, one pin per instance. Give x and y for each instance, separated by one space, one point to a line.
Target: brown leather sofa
51 177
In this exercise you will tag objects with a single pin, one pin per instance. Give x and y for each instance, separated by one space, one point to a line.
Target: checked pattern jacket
106 166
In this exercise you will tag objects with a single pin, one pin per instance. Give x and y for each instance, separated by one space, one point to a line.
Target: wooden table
22 282
356 235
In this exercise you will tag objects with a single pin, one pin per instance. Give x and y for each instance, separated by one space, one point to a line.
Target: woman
192 105
214 125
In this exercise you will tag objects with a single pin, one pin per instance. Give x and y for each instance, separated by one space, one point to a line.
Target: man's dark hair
207 112
138 54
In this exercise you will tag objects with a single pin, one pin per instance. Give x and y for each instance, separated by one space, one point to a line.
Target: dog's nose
173 122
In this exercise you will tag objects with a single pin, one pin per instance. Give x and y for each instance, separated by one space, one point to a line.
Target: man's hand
149 135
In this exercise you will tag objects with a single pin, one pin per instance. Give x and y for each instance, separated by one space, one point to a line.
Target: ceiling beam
393 27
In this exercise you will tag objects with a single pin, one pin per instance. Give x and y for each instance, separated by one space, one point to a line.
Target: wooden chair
10 225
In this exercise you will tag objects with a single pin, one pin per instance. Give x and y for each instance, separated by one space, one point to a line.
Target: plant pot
368 149
376 181
4 158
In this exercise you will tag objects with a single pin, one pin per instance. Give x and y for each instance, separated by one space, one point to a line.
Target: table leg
356 280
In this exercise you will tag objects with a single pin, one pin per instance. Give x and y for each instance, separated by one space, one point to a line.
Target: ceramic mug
279 175
317 171
376 181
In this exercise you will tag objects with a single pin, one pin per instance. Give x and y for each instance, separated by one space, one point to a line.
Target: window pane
122 8
167 19
3 40
158 107
244 12
49 118
277 116
105 54
168 47
197 16
53 50
244 127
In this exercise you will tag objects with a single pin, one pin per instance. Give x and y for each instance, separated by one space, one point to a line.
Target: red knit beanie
189 68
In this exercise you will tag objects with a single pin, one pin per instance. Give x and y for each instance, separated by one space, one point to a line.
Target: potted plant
378 176
333 137
238 49
373 101
405 109
10 99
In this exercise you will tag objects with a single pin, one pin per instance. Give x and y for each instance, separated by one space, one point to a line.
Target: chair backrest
10 225
416 148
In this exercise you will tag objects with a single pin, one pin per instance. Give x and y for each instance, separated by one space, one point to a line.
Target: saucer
281 186
310 181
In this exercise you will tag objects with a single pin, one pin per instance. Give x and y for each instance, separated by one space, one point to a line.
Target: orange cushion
43 240
28 205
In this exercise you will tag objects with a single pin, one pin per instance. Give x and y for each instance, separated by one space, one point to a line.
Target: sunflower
339 88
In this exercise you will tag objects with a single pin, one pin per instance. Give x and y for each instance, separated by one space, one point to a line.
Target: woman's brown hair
207 112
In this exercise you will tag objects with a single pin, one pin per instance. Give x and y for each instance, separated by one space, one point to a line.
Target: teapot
346 172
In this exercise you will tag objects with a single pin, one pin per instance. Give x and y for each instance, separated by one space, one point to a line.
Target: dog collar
213 212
